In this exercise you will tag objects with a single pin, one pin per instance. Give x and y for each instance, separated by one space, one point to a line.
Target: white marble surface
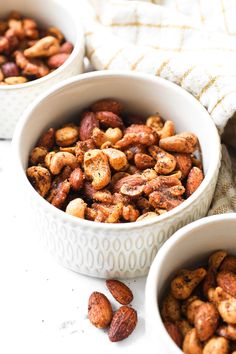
43 307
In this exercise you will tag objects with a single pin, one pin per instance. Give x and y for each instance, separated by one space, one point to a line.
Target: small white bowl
115 250
188 247
15 98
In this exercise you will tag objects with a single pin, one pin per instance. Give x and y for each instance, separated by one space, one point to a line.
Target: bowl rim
78 45
151 297
98 75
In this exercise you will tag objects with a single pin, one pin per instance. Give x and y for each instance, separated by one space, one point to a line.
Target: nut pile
199 312
112 169
123 321
28 52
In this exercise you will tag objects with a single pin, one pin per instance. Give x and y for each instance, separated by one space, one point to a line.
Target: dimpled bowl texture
188 247
115 250
15 98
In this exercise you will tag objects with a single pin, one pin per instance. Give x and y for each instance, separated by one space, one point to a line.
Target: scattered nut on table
117 172
199 310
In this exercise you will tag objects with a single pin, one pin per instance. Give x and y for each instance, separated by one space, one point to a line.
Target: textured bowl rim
97 75
78 45
151 305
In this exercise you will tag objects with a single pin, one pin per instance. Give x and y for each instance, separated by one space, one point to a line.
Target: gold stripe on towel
163 65
221 99
185 75
106 66
210 83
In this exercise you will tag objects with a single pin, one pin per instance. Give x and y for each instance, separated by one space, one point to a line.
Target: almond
183 163
227 281
55 61
184 142
108 105
229 264
174 333
99 310
206 321
119 291
123 323
87 124
194 180
109 119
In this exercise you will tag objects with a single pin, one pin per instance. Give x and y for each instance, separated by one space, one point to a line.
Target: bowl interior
141 94
187 248
45 12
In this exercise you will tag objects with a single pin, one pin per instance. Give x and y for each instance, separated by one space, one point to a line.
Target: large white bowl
186 248
115 250
15 98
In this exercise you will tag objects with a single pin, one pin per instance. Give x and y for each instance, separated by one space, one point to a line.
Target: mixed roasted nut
112 168
122 323
199 311
28 52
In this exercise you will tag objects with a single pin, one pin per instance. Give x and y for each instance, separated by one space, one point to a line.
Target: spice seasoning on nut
122 322
103 169
29 52
199 310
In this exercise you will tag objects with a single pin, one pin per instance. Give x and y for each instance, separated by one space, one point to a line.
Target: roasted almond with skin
119 291
87 124
109 119
174 332
108 105
183 163
191 343
206 321
123 323
229 264
143 161
227 281
184 142
76 179
194 180
99 310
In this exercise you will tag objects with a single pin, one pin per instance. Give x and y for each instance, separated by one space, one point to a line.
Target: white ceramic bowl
188 247
115 250
15 98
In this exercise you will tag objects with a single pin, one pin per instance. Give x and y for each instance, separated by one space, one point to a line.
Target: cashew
45 47
217 295
170 309
67 135
117 159
165 162
111 135
192 309
61 159
130 213
149 174
216 345
183 326
227 310
227 331
37 155
96 168
55 32
48 159
191 344
15 80
168 130
40 179
184 284
76 208
103 196
155 122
